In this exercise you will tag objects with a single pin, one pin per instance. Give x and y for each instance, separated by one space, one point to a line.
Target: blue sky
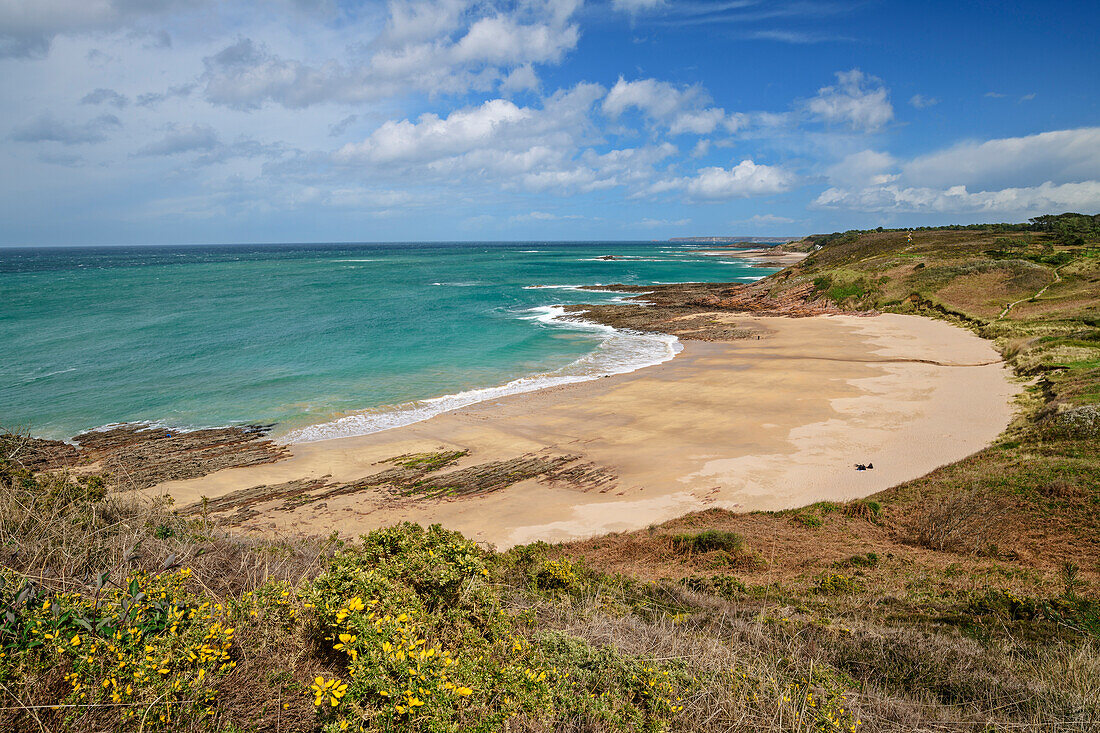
180 121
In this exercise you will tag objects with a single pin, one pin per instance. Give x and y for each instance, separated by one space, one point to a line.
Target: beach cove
775 419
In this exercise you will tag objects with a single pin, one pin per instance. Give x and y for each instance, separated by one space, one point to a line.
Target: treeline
1068 228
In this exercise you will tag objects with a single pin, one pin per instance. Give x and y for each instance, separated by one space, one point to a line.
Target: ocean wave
620 258
354 260
619 352
593 288
36 377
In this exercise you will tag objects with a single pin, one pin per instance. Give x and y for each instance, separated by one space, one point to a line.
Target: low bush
966 522
708 541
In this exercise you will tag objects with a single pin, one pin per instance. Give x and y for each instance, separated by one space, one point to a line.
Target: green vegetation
709 540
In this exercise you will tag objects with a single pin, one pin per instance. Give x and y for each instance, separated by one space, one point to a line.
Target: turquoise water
321 340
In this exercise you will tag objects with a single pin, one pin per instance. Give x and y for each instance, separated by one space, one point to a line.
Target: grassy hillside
965 600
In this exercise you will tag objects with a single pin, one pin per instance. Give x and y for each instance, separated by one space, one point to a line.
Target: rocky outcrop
408 479
682 309
137 456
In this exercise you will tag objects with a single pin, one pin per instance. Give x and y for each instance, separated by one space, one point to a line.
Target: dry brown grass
966 522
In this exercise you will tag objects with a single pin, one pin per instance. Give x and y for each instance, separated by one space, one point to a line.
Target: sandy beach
763 423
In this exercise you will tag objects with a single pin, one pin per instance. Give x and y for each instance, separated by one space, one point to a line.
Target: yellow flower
356 604
464 691
75 641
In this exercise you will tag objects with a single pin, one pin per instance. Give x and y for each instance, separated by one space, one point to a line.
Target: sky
221 121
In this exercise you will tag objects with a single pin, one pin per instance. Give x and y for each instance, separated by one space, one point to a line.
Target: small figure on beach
865 466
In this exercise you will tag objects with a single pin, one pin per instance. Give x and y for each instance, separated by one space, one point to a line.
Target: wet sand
769 423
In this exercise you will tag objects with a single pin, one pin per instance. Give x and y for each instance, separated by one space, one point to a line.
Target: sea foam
619 352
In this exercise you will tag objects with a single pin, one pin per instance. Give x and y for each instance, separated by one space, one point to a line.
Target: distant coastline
726 240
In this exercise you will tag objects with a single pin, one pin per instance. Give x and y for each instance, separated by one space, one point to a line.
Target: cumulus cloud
48 128
864 167
28 27
106 96
432 137
183 140
445 47
152 99
547 148
745 179
921 102
857 100
1059 156
1048 171
679 109
521 79
1022 202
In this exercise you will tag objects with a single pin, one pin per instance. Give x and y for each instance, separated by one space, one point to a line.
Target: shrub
808 519
708 541
836 584
145 648
868 560
863 509
725 586
967 522
1075 423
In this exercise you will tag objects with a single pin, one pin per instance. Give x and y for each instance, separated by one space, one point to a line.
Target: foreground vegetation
964 600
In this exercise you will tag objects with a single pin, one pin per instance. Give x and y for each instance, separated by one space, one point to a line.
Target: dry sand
772 423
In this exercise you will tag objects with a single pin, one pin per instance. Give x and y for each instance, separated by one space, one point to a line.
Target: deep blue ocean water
321 339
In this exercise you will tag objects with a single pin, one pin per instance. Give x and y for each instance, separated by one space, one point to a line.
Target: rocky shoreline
686 310
137 456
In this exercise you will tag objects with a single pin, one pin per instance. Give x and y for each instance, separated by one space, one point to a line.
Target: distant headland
750 240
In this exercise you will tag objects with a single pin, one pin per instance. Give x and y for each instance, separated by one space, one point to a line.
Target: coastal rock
137 456
681 309
38 454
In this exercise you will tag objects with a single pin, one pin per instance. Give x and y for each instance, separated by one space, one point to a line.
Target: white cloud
1020 202
636 6
1059 156
656 223
858 100
921 102
544 216
27 27
106 96
1014 176
449 47
680 109
48 128
862 168
432 137
521 79
765 219
183 140
742 180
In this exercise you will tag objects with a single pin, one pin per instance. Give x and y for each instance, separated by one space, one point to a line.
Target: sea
317 340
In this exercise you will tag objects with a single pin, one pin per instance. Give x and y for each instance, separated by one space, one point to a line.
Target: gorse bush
146 648
425 644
